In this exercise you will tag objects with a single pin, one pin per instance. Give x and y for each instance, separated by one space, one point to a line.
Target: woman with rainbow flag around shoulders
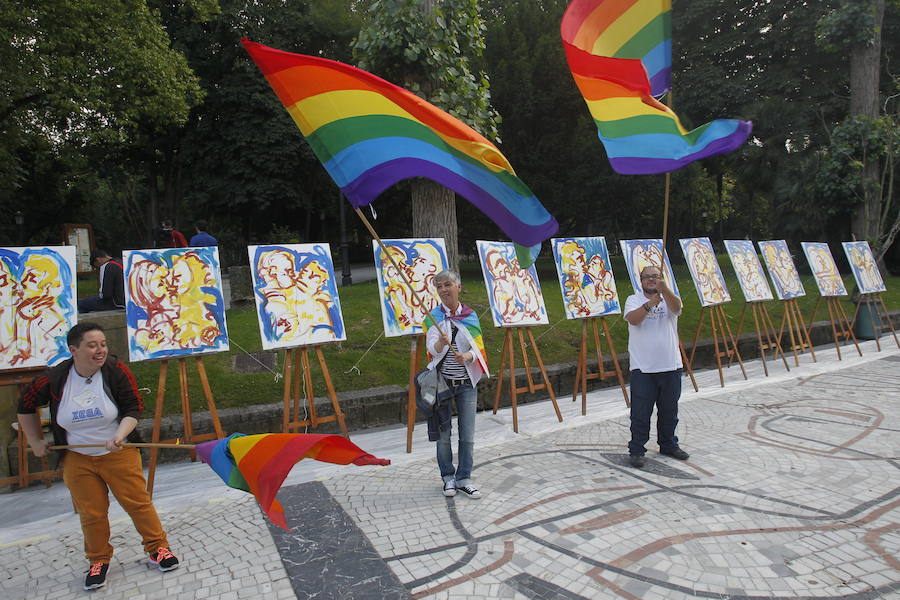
456 349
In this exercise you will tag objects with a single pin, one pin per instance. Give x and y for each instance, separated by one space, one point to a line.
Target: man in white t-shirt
655 359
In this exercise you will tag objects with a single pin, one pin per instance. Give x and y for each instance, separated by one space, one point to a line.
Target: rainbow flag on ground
260 463
611 47
370 134
468 319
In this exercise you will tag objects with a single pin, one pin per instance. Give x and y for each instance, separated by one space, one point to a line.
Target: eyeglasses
651 276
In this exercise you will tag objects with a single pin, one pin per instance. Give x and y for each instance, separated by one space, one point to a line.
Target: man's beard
649 292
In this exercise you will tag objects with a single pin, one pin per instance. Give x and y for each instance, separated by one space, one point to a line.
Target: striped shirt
451 369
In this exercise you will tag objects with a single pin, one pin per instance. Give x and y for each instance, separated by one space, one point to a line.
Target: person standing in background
169 237
202 237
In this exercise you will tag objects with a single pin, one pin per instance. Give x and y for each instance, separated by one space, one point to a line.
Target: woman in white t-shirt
94 400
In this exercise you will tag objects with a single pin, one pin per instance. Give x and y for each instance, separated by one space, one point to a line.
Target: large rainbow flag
370 134
619 52
260 463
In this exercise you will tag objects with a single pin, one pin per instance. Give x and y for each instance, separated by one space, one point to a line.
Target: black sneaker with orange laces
164 559
96 576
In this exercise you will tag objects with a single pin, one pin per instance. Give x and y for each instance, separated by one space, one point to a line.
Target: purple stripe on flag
370 184
636 165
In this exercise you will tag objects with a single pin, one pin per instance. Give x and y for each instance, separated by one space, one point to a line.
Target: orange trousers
90 479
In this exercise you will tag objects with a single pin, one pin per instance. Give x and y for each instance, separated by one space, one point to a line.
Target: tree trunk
865 70
434 215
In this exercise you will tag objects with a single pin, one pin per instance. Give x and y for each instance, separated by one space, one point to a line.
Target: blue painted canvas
645 253
296 295
585 277
419 260
173 303
37 305
865 270
781 268
514 293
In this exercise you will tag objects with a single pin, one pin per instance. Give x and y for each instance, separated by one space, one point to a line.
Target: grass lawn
386 362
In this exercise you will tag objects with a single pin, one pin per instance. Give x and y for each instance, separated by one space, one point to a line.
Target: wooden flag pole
175 446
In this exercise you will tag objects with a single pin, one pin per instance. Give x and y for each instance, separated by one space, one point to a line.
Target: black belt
457 382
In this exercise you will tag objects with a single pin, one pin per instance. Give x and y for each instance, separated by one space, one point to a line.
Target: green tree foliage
429 48
76 72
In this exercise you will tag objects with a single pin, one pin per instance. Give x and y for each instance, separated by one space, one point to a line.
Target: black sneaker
164 559
676 453
96 576
637 461
469 490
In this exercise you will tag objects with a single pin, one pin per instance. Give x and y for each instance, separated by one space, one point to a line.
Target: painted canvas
644 253
821 262
704 267
585 277
420 260
865 271
296 295
37 305
514 293
782 270
173 302
749 270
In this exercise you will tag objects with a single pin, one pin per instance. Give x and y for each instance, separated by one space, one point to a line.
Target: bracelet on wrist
647 307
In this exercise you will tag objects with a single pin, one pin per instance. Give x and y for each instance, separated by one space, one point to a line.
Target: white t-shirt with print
87 413
653 345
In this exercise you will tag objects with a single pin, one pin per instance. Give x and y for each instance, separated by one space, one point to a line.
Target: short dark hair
76 334
167 224
201 225
98 253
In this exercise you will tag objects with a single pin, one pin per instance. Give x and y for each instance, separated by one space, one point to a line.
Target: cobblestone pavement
791 491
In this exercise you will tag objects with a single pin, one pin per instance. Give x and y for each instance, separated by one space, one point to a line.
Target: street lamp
20 222
346 276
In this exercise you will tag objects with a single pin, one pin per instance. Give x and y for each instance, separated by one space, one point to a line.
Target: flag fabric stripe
618 35
611 46
468 319
321 95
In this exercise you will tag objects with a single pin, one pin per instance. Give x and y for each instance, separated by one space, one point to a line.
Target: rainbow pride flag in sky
619 52
260 463
370 134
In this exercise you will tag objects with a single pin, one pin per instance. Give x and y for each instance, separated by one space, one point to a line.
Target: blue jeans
647 390
466 398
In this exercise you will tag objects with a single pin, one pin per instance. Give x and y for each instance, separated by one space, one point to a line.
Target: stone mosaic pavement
791 491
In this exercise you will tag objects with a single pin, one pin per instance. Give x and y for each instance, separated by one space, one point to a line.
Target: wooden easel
718 322
189 436
295 361
882 315
761 317
798 333
581 374
415 354
840 324
508 359
21 378
687 365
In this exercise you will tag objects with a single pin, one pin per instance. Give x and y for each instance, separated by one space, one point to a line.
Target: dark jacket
112 289
47 388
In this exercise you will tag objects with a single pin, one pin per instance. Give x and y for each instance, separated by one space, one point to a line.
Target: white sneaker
450 488
470 490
